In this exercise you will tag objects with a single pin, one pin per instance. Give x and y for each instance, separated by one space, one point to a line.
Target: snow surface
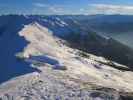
75 83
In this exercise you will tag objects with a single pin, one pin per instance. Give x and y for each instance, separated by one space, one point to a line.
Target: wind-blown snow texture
82 79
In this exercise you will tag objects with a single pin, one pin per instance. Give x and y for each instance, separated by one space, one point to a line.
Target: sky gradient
47 7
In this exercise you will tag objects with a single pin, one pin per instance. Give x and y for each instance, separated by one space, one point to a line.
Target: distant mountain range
119 27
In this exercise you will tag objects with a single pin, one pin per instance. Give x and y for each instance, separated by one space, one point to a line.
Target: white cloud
40 5
47 8
110 9
55 9
91 9
81 9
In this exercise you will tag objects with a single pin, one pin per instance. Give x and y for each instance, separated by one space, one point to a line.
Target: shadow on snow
10 44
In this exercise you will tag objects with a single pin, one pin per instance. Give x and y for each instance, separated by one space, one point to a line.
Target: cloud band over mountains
90 9
110 9
58 8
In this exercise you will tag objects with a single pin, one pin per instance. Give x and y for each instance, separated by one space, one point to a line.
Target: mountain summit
55 58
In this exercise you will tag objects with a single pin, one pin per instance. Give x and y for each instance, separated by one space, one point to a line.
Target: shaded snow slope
83 78
10 44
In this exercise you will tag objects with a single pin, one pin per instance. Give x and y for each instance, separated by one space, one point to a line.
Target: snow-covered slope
62 73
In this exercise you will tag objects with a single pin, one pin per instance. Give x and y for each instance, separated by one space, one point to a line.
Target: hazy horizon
66 7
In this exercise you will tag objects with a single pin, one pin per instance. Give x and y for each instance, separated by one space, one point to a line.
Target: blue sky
66 7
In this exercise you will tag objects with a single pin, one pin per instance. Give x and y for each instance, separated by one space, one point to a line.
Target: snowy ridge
80 80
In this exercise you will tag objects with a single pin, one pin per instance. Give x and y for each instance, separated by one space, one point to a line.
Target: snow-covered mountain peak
58 71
